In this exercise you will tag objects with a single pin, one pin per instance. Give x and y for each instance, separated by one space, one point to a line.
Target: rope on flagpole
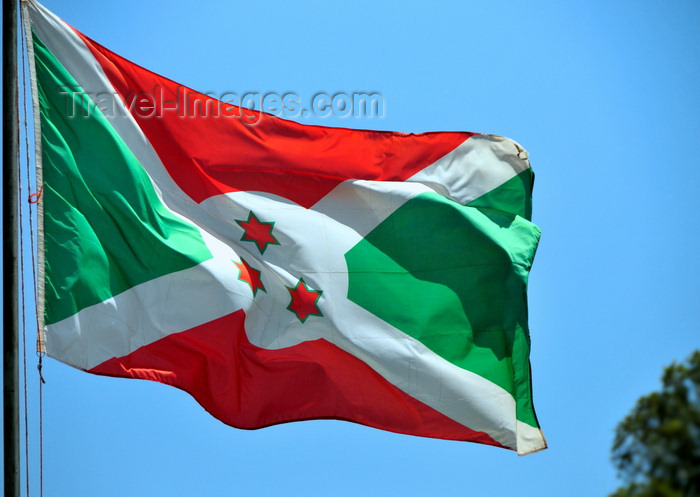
36 200
22 293
32 200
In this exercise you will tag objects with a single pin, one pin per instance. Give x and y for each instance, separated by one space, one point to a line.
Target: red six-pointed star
304 301
257 231
250 275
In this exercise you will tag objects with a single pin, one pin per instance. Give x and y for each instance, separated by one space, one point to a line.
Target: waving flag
277 271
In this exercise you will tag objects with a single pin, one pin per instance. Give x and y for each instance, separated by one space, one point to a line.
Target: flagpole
10 159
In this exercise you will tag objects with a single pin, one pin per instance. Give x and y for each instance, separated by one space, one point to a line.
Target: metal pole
10 160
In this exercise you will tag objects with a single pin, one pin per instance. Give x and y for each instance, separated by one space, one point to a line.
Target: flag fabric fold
278 271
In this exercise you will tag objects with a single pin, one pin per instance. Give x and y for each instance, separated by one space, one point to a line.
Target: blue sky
602 95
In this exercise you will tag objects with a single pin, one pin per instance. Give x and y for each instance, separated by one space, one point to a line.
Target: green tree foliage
657 446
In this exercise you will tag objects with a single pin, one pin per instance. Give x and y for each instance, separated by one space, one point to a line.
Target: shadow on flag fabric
277 271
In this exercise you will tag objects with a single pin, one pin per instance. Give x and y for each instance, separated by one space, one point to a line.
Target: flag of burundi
277 271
